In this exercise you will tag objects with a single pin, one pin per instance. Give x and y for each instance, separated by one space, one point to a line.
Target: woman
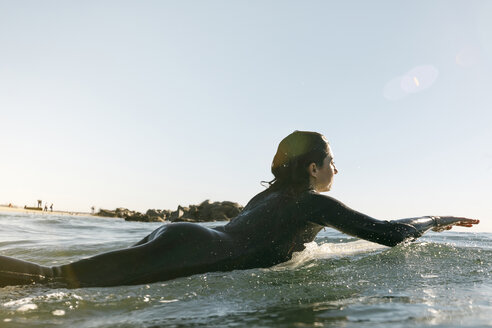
273 225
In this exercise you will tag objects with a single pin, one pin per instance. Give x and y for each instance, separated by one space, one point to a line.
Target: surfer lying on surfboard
273 225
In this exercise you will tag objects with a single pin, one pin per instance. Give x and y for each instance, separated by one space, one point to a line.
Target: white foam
20 301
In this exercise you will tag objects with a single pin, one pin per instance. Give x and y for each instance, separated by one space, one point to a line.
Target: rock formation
205 212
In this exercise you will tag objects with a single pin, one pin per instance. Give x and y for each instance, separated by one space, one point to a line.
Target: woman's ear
313 170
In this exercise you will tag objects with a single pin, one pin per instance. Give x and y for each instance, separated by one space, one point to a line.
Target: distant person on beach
46 207
51 207
274 224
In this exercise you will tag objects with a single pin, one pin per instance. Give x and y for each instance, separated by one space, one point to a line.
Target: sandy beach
4 208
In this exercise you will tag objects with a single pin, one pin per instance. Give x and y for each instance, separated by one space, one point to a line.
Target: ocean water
443 280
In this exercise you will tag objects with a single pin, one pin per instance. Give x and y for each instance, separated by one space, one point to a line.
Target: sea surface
442 280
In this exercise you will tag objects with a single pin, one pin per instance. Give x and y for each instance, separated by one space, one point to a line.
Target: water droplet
58 312
27 307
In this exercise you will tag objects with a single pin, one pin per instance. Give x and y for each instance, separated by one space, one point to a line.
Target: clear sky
151 104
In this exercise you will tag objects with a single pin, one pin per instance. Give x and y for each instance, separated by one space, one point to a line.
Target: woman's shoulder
315 199
307 197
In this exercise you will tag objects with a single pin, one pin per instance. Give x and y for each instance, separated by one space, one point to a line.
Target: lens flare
417 79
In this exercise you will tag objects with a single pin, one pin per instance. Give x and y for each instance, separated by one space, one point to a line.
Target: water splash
313 251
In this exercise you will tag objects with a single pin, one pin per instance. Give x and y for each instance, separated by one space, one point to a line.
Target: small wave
56 300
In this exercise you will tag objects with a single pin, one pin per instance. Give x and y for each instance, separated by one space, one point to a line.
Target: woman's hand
447 222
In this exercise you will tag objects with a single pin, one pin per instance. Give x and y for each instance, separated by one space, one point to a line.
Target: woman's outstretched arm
330 212
438 223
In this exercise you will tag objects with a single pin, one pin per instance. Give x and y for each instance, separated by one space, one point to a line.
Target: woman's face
322 179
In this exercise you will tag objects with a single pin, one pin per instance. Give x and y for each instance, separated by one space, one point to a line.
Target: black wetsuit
271 227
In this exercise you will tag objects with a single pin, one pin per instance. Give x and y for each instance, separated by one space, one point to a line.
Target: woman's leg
18 272
177 250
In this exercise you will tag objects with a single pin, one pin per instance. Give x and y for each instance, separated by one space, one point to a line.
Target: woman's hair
294 154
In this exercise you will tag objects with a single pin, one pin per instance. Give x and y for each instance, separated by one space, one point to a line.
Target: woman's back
271 227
